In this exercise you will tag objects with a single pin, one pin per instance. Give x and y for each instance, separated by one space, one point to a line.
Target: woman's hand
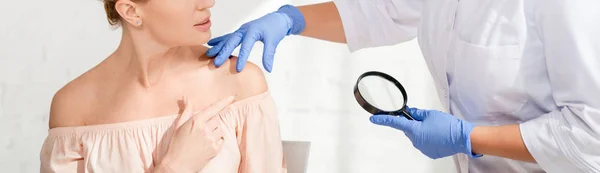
196 141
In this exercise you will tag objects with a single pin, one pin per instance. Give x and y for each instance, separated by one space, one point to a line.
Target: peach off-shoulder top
252 143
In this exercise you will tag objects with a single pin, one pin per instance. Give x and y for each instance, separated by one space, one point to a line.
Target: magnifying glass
380 93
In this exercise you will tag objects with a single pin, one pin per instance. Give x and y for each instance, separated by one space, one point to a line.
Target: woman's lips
204 26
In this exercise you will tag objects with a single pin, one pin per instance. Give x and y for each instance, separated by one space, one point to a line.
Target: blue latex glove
269 29
435 134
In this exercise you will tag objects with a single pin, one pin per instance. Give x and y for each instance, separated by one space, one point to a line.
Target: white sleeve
568 138
372 23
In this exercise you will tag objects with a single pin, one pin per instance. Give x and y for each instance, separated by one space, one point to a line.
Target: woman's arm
160 168
259 138
258 132
61 150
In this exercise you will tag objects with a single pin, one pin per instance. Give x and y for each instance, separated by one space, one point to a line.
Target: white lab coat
496 62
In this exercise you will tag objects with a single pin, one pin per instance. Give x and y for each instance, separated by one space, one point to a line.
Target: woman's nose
205 4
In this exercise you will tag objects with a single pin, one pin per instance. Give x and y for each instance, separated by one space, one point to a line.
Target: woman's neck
147 59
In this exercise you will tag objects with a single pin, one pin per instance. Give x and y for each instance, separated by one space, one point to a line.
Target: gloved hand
435 134
269 29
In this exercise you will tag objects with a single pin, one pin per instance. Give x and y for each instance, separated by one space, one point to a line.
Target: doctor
519 78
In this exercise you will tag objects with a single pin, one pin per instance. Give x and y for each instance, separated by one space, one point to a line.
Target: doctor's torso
497 62
488 62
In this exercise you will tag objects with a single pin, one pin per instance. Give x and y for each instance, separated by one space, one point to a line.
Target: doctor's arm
568 138
358 23
502 141
320 21
323 22
563 140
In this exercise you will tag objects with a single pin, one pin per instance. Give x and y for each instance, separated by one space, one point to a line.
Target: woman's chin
200 40
196 42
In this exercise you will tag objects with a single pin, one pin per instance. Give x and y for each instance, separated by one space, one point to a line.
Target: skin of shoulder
76 98
251 80
71 101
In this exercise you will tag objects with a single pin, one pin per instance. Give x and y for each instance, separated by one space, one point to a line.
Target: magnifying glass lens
381 93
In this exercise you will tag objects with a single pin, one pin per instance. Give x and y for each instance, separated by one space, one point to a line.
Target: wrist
468 129
160 169
166 166
295 16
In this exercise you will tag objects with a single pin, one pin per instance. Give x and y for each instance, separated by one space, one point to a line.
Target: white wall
44 44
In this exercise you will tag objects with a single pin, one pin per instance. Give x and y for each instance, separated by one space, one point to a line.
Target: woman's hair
111 12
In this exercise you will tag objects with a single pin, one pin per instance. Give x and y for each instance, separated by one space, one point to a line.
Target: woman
121 116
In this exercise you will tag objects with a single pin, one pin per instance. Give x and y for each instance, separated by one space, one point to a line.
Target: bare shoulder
71 102
252 78
250 81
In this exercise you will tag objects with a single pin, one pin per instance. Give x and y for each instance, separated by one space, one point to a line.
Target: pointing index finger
213 109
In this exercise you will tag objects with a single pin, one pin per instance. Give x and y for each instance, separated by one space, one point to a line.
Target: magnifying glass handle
407 115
